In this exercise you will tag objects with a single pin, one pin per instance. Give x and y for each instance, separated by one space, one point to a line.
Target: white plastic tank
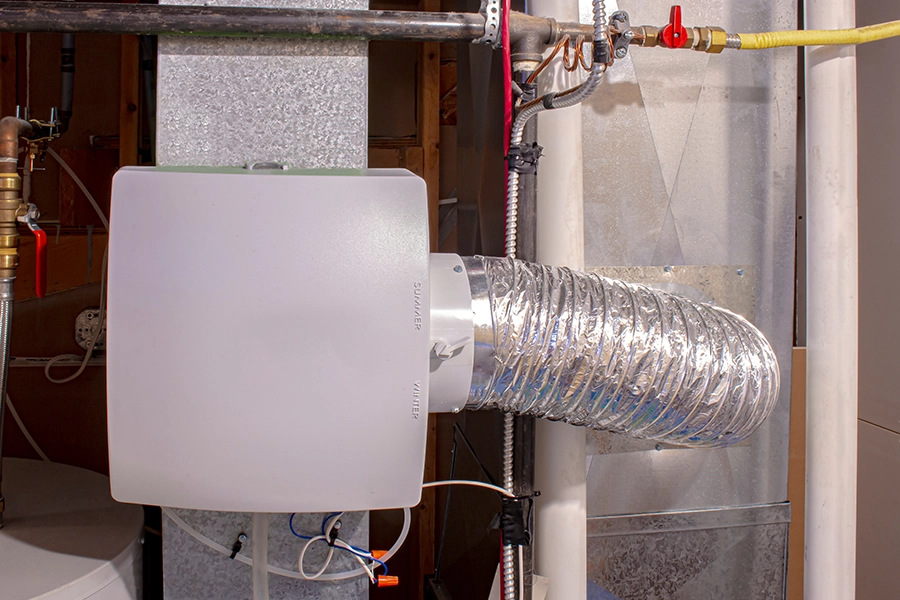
64 537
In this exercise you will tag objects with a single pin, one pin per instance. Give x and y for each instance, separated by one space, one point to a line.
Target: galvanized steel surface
719 554
231 102
690 159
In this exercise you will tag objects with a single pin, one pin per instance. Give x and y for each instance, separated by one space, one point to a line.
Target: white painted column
561 511
832 308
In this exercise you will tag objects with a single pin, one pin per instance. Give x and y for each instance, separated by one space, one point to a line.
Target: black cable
440 556
458 430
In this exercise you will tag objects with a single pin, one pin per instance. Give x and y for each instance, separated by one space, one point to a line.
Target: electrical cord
98 328
329 535
361 554
480 484
81 185
407 520
18 420
92 342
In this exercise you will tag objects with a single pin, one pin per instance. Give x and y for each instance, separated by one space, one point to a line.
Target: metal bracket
491 11
86 327
524 158
622 24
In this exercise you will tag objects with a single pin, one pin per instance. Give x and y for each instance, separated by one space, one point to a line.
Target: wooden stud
7 74
797 474
129 116
429 134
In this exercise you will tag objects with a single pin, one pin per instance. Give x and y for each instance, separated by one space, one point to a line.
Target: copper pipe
11 129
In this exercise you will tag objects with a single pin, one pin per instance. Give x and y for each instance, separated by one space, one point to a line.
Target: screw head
621 52
457 269
740 272
667 269
242 538
628 35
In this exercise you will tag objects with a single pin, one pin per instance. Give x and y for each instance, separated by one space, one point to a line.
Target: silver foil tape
592 351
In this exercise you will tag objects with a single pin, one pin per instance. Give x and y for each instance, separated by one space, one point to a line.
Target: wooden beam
129 116
7 74
797 474
428 120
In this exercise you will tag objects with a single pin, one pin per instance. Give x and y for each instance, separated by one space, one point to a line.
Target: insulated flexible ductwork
592 351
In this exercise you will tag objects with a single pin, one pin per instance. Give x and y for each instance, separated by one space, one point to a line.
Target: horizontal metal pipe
152 19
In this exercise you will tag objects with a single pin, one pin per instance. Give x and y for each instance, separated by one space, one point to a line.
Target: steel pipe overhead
152 19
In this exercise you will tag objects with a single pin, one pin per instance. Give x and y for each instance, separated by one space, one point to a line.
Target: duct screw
668 269
457 269
740 272
621 52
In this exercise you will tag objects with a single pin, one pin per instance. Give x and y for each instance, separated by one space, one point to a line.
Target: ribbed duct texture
592 351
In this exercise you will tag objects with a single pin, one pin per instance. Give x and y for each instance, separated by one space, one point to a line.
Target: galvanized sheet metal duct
592 351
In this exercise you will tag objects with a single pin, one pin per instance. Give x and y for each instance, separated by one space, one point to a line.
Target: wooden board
7 74
72 261
797 474
129 116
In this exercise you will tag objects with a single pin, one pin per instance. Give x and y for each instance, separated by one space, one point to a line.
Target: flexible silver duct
592 351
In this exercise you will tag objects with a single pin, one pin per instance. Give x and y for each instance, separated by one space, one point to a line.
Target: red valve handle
674 35
40 262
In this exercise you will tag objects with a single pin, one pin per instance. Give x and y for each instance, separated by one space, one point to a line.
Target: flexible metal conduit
6 310
565 99
592 351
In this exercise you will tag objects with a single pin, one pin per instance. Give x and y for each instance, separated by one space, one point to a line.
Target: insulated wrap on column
593 351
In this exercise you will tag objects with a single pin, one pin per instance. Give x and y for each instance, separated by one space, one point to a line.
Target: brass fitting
711 40
647 36
11 207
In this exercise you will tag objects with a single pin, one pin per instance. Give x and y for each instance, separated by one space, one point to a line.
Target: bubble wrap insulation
592 351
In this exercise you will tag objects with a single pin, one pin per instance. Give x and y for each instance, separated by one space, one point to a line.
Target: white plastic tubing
560 521
832 308
259 549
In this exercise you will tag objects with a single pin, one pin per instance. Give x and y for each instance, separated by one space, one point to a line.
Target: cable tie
602 52
523 158
515 519
548 100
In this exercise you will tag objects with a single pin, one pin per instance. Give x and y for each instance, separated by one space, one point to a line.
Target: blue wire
291 525
352 549
364 554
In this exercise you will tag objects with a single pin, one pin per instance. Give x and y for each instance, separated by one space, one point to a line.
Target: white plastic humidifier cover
268 345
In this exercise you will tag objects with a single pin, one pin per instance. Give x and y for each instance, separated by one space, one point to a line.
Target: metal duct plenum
592 351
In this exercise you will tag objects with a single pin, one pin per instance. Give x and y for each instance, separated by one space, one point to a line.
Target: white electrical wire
358 558
31 442
99 326
325 564
407 520
339 543
81 185
480 484
98 329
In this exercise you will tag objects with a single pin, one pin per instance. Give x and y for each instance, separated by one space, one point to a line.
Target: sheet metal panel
229 103
690 159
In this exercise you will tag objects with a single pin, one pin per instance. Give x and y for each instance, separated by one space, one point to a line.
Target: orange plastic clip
377 554
387 581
